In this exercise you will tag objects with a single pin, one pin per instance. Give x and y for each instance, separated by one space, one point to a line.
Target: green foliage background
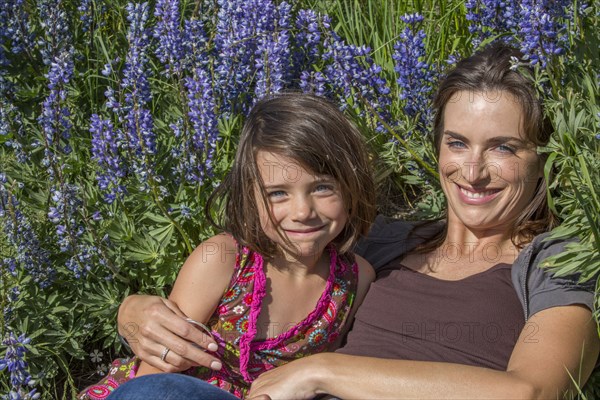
145 237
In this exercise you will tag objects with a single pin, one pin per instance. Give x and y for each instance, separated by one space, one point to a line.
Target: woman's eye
506 149
456 144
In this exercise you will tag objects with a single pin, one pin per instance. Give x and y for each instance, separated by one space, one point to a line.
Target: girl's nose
302 208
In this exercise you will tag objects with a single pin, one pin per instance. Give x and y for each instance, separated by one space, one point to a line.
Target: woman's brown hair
315 133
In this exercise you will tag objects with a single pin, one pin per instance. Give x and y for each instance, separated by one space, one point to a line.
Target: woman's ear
542 157
541 164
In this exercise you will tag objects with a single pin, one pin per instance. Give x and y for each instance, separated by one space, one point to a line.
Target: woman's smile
477 196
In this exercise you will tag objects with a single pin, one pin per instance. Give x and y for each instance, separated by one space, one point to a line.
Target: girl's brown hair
315 133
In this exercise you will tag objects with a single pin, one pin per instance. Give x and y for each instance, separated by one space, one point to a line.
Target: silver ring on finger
164 353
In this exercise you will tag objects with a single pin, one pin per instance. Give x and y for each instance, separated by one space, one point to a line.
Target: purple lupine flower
354 77
308 38
233 63
185 211
240 25
194 41
63 213
136 72
314 32
538 27
170 49
415 76
273 54
12 124
85 14
12 296
54 21
111 101
22 384
15 30
55 117
141 143
15 37
140 136
6 110
105 150
195 154
543 29
30 255
82 260
314 82
491 17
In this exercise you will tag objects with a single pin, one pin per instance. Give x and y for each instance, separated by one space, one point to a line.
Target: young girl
281 283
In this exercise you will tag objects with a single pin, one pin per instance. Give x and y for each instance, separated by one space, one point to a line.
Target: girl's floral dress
234 328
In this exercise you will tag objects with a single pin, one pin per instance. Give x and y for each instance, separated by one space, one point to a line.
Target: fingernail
213 347
216 365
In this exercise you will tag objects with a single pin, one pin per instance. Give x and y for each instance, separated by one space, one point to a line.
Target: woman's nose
475 168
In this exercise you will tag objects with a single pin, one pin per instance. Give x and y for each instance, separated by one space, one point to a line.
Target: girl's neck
301 267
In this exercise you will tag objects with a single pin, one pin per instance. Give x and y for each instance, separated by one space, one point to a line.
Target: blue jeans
169 387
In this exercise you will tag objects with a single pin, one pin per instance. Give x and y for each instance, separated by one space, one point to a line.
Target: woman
460 309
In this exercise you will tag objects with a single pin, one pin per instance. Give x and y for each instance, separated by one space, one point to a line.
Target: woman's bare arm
565 344
149 323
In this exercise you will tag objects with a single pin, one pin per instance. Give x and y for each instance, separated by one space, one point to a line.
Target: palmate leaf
144 248
163 233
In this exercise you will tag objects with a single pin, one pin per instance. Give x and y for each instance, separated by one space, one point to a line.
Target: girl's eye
275 194
324 187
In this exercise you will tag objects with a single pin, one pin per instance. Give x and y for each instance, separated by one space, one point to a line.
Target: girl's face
307 209
488 169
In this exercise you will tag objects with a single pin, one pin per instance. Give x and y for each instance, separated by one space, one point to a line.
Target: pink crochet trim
246 344
257 298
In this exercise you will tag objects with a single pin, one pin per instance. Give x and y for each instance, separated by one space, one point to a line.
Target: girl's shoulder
222 246
216 252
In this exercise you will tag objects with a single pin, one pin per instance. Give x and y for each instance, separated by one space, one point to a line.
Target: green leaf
145 249
157 218
163 234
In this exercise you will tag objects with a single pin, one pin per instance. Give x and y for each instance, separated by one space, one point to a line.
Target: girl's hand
295 380
150 324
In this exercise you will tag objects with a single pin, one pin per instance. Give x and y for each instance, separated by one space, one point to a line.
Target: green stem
154 189
403 142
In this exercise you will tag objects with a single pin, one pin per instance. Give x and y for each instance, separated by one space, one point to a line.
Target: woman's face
488 169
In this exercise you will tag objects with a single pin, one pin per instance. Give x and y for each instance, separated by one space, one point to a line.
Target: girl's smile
302 232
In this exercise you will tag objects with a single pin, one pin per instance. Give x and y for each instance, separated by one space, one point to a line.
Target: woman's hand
296 380
151 324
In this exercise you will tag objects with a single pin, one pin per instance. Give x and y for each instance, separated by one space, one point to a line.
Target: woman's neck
479 244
